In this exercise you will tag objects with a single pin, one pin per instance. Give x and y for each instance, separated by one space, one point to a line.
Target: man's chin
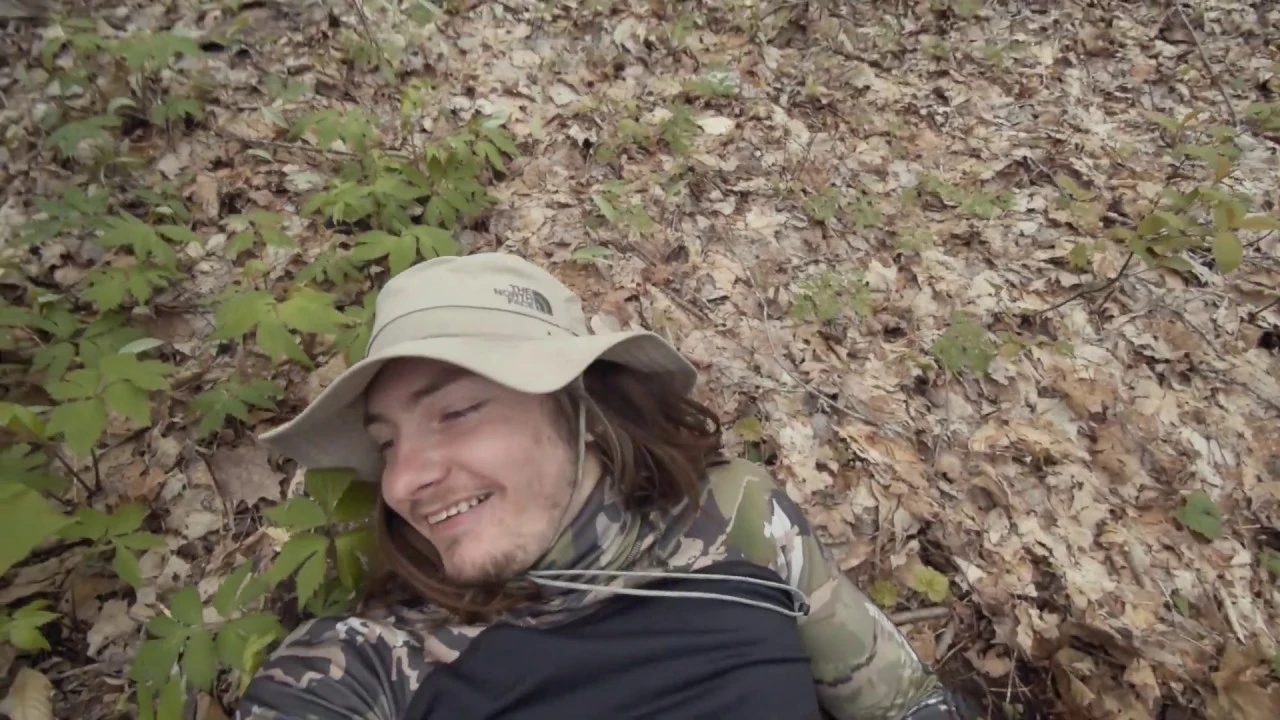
479 574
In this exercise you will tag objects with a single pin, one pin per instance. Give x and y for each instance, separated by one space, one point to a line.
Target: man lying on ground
574 543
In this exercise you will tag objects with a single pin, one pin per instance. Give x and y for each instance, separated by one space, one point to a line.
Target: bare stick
88 490
906 617
1258 313
1091 290
1222 90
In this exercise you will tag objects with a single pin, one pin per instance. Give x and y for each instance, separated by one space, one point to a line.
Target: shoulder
743 514
338 667
753 504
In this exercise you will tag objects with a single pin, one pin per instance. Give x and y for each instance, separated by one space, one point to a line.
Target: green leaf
27 637
166 627
931 583
130 401
27 519
186 607
297 514
80 423
200 661
884 593
125 565
1258 222
310 577
312 311
1079 255
126 519
1200 515
353 550
435 242
154 661
591 253
171 701
327 485
357 503
224 600
146 374
90 524
178 233
293 554
1228 254
241 311
277 342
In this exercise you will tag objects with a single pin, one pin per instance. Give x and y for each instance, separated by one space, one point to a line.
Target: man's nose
411 469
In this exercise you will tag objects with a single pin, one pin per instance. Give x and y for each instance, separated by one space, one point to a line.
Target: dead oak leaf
244 476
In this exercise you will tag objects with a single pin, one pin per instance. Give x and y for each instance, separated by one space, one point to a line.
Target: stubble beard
516 555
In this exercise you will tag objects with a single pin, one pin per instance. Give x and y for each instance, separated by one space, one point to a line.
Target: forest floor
910 247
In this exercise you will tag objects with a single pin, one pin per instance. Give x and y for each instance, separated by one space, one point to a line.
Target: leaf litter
858 222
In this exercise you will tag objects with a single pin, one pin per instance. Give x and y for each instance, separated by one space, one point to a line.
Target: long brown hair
655 445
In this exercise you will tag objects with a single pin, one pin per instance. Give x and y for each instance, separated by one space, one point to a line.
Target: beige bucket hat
494 314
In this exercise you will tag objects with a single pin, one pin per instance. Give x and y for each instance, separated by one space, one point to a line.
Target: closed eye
459 414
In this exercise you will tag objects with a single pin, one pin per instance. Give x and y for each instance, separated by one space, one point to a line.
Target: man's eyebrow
417 396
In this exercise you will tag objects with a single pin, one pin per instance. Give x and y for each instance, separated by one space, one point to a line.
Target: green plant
824 297
231 398
332 499
21 628
713 84
252 226
117 533
931 583
964 347
1201 515
678 130
306 311
618 207
119 382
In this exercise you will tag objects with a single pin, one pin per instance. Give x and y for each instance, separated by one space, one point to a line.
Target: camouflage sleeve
337 668
863 666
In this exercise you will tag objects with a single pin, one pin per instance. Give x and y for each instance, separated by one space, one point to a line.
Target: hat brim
330 432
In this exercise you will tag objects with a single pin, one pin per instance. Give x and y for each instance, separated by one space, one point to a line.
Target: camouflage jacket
368 667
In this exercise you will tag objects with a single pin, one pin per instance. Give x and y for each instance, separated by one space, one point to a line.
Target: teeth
458 509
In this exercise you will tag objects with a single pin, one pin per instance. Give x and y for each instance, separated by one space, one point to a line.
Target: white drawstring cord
801 610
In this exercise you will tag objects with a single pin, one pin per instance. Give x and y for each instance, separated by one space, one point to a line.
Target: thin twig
1260 240
368 31
1258 313
74 473
280 145
1091 290
1226 99
907 617
97 472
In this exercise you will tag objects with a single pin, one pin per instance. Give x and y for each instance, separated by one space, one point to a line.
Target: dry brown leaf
243 475
30 697
113 622
1240 695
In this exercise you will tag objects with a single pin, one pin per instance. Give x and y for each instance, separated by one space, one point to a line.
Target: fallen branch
1222 90
907 617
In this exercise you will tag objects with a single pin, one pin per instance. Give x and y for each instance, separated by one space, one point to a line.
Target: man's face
485 473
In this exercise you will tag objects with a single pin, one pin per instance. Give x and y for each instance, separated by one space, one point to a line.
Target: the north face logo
528 297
